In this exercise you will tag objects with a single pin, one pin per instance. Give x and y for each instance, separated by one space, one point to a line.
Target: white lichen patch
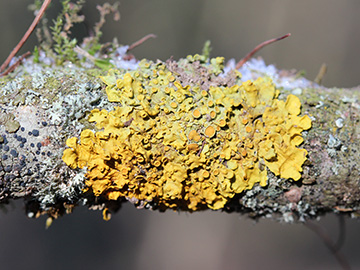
256 67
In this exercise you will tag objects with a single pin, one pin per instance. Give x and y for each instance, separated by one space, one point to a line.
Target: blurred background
323 31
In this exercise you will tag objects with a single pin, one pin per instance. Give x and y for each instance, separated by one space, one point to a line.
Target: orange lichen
196 113
193 135
180 147
193 147
222 123
210 131
173 105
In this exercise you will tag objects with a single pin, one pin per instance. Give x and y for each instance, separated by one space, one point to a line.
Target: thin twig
202 147
13 66
84 53
321 74
140 41
320 231
26 36
257 48
342 233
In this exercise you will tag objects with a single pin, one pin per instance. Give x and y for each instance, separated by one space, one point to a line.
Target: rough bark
41 107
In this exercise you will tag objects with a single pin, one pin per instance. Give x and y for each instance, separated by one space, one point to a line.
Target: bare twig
140 41
257 48
84 53
321 74
202 147
13 66
333 247
342 233
26 36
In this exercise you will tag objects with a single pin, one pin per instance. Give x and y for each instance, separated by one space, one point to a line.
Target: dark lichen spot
22 162
35 132
8 168
9 177
22 129
17 167
14 153
6 148
38 145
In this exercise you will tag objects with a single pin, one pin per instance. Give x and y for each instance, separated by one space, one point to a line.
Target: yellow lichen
180 147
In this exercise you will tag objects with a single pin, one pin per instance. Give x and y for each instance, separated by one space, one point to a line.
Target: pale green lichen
9 122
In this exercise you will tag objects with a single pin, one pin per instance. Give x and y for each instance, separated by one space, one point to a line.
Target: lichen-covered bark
332 176
330 181
41 109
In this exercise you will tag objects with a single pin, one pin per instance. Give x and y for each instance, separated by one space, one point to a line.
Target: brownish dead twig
13 66
257 48
321 74
26 35
140 41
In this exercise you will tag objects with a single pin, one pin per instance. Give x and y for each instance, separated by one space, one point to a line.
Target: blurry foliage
63 44
93 41
56 40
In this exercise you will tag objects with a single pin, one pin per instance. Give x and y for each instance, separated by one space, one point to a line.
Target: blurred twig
13 66
257 48
26 35
333 247
140 41
321 74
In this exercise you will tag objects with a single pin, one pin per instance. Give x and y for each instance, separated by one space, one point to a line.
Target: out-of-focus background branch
322 31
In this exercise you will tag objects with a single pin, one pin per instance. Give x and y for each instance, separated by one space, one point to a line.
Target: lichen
178 146
37 112
9 122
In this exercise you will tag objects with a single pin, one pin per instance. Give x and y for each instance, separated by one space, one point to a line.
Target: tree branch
39 112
